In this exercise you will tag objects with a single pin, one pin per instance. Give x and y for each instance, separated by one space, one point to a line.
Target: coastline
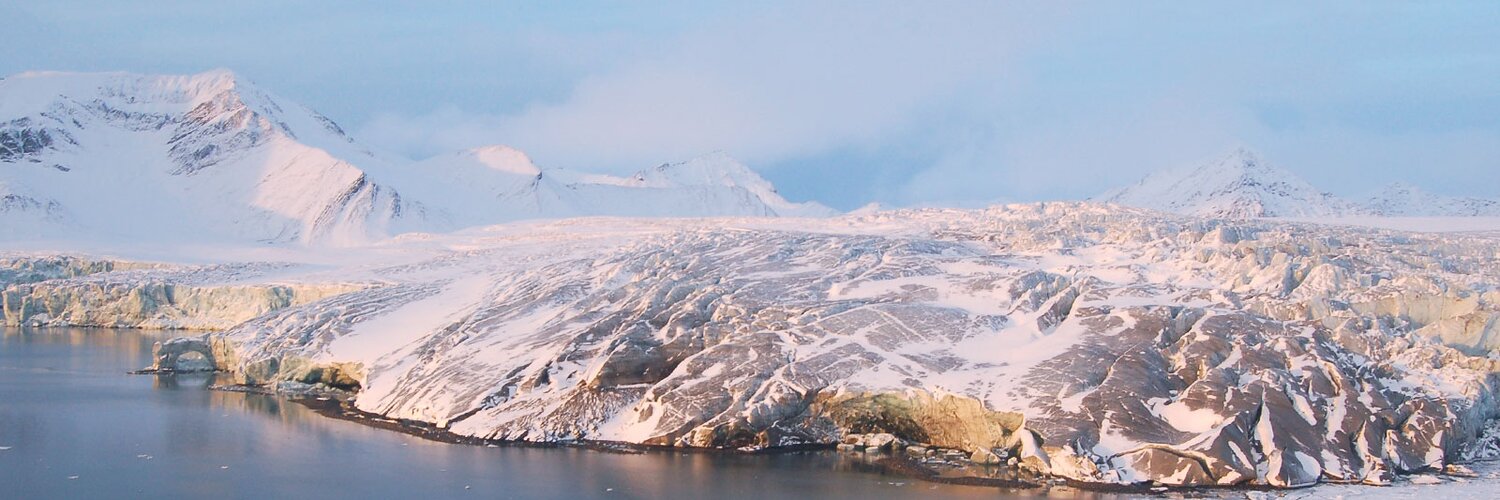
890 464
333 403
885 464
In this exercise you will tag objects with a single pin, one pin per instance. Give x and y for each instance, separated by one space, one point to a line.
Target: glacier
1091 342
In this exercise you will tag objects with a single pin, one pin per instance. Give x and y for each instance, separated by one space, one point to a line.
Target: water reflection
190 381
69 410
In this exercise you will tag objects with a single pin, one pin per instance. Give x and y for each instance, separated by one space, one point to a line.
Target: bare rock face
173 355
945 421
1092 343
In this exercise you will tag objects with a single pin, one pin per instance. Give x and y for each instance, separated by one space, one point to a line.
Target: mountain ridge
1402 199
1241 184
1237 185
212 155
207 154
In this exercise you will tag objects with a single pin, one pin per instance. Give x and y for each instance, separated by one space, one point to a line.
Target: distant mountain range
1402 199
1243 185
212 156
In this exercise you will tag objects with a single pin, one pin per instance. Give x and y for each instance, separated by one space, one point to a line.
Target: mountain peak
1238 184
713 169
49 84
198 153
503 158
1243 155
212 82
1402 187
1245 162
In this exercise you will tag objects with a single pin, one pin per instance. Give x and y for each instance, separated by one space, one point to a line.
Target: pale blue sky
847 102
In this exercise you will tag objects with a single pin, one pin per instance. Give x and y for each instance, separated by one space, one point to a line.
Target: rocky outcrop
177 355
947 421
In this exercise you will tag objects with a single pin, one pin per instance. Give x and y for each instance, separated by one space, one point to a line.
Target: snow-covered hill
1405 200
202 156
213 157
1238 185
1243 185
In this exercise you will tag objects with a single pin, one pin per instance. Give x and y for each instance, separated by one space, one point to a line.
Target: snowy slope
213 157
1406 200
1237 185
25 214
206 156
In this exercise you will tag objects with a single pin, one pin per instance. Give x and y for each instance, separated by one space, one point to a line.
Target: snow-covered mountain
206 155
1243 185
211 156
498 183
716 176
1237 185
1402 199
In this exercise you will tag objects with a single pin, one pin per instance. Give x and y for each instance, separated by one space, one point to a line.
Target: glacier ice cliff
74 291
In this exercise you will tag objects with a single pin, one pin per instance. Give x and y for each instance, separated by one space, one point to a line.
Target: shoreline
890 464
333 403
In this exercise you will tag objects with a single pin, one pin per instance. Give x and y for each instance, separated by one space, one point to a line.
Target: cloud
444 130
964 102
767 87
1395 94
1073 153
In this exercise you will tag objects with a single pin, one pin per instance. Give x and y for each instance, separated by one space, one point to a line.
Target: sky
903 103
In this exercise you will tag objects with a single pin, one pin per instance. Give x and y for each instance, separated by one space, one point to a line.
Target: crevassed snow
392 333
